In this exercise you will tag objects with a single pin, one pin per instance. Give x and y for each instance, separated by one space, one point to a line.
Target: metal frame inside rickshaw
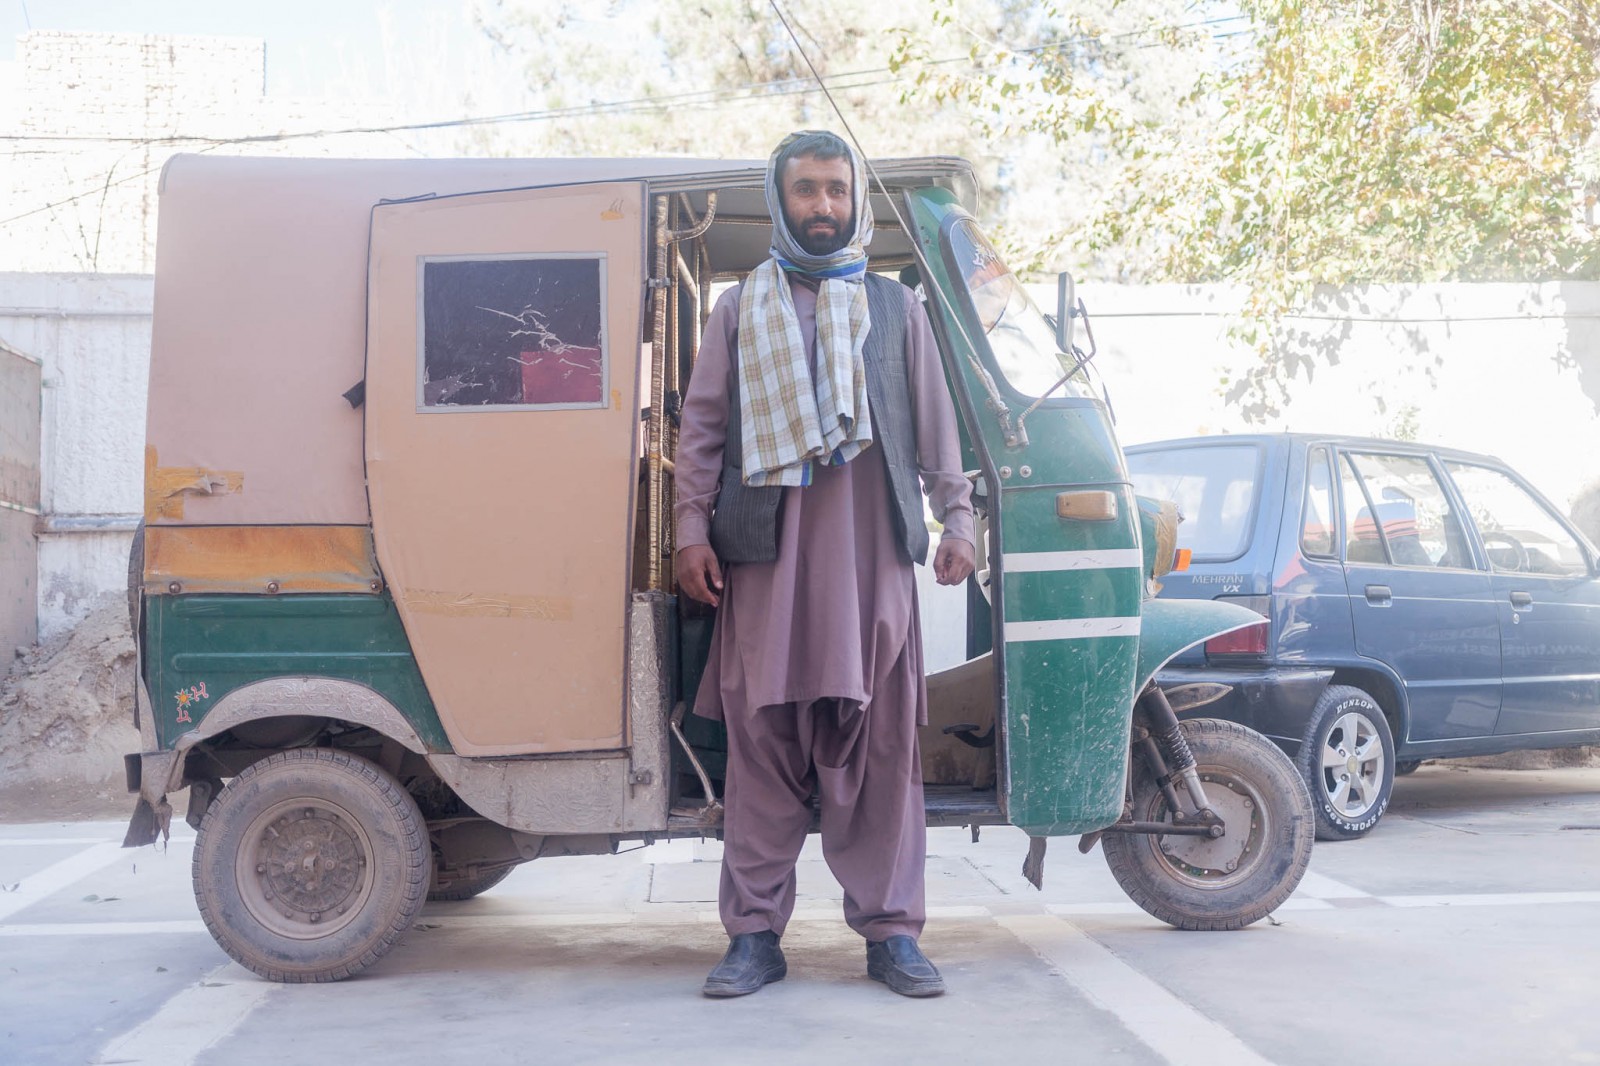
703 232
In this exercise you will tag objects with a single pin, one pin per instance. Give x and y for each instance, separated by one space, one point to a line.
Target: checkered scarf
791 418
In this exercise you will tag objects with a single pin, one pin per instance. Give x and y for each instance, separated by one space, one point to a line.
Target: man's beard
822 243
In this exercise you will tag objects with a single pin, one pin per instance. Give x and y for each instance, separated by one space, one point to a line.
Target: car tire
1347 760
455 888
311 865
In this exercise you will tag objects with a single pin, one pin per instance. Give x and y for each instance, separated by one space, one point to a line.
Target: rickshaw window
511 332
1022 345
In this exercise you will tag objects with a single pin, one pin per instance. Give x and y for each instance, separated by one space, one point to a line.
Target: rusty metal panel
166 486
19 501
260 559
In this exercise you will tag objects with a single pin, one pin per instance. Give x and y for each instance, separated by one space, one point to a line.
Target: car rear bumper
1273 700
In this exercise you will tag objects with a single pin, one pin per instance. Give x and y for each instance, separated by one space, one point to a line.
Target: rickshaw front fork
1158 737
1156 725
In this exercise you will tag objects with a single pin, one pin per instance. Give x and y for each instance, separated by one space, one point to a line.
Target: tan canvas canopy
261 305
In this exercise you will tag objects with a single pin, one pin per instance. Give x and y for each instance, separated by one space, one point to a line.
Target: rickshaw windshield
1021 341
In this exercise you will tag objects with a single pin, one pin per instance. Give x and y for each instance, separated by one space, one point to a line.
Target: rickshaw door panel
501 448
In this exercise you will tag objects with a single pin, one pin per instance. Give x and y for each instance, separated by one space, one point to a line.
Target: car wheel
311 865
1347 759
1406 766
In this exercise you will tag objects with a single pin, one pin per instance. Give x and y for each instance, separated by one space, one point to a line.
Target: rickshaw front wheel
1228 882
310 865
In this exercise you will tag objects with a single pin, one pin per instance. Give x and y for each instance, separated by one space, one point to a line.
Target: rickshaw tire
341 815
464 888
1248 767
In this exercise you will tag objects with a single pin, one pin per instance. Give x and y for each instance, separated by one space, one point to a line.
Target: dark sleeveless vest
744 525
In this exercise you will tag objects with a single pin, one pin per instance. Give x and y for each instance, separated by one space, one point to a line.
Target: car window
1399 513
1214 487
1519 533
1316 523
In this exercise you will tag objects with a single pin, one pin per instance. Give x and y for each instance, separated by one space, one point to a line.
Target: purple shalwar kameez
816 660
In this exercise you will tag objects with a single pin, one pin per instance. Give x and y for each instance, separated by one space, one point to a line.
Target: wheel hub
1210 859
1352 765
307 873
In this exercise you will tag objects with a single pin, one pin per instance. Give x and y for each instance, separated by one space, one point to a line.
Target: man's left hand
952 563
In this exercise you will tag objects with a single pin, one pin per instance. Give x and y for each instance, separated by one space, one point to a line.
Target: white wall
91 334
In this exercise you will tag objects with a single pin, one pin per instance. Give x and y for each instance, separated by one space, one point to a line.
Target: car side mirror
1066 308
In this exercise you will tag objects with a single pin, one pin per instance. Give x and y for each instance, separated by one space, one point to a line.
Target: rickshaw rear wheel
1202 883
459 886
310 865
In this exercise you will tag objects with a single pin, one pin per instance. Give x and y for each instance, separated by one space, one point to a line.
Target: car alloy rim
1352 765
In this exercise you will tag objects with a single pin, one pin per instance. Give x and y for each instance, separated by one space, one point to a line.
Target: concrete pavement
1464 930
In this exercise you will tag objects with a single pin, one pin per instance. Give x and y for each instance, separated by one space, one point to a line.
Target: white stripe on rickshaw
1071 629
1102 559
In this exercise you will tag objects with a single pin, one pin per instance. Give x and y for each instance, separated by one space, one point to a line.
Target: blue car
1418 603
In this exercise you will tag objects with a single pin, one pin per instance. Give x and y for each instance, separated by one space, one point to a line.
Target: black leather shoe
901 965
753 960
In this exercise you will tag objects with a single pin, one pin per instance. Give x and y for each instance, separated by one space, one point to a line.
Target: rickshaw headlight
1158 533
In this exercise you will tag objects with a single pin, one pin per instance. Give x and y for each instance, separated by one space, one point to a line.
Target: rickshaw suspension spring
1165 742
1161 722
1175 749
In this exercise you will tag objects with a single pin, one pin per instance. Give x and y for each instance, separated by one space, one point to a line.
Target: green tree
721 78
1332 142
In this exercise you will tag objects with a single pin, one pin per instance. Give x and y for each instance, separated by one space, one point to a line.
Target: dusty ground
66 720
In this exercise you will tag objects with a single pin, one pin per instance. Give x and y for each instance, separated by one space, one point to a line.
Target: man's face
818 202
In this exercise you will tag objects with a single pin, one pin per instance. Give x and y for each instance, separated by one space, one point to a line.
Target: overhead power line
746 93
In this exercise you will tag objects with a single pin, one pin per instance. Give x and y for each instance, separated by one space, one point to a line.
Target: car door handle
1380 596
1522 601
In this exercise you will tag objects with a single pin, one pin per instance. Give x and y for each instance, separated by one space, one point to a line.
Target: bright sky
314 47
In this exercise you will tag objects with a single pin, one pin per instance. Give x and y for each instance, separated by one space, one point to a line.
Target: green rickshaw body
312 594
404 594
205 647
1068 609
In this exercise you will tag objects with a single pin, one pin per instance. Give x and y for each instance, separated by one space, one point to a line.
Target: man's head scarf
790 416
850 260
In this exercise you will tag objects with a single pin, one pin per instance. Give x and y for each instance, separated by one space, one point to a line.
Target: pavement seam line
37 887
132 928
1165 1024
709 915
1319 886
195 1019
53 842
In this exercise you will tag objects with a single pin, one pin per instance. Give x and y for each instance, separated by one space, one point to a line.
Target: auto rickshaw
404 594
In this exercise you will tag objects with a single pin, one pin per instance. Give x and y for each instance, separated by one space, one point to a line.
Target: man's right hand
698 573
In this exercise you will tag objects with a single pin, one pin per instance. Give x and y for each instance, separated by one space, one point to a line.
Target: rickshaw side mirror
1066 303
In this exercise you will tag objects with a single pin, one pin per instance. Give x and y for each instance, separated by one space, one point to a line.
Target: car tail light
1181 558
1251 640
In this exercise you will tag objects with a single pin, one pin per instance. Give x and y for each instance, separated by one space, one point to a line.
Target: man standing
816 405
